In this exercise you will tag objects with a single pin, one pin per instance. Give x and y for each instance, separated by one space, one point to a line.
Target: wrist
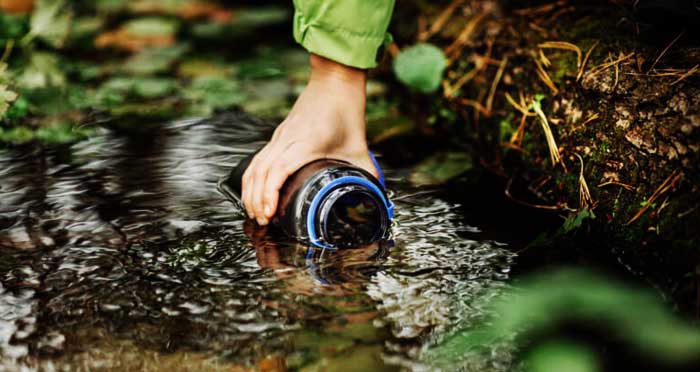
326 71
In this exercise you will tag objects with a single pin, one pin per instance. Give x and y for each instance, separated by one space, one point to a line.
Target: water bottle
329 203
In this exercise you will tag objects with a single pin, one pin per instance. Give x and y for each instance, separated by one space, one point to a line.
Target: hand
327 121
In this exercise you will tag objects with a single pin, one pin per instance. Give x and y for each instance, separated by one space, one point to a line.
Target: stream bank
585 110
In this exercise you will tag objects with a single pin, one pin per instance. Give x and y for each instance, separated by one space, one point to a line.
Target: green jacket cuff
352 39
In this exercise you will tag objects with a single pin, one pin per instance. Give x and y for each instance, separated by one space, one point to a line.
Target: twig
476 105
615 183
563 45
540 9
663 188
463 80
663 52
440 20
686 75
464 36
494 84
514 147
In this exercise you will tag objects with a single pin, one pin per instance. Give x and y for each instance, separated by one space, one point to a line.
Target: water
118 252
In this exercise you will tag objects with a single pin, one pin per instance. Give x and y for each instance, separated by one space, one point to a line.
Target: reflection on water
118 252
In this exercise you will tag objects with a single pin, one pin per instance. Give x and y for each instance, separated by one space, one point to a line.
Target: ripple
122 243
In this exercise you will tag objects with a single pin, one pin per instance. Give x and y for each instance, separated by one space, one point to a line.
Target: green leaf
51 22
212 92
60 133
43 71
574 221
116 89
541 303
16 135
154 87
152 26
12 26
154 60
561 356
6 97
421 67
441 168
86 26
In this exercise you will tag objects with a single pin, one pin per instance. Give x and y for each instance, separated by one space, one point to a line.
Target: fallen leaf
197 9
140 34
441 168
16 6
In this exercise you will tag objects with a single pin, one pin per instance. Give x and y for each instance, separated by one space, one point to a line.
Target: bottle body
328 203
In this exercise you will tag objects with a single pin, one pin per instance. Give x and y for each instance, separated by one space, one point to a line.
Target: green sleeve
347 31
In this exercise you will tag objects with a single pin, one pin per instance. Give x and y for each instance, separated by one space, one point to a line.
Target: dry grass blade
588 120
538 206
663 52
615 183
585 199
551 142
544 76
591 118
494 84
520 107
464 36
563 45
663 188
582 68
463 80
517 138
545 61
617 77
686 75
440 21
605 66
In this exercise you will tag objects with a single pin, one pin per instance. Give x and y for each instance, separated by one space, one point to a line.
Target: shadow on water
118 252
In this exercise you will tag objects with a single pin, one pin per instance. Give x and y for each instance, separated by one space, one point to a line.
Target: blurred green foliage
539 305
421 67
137 62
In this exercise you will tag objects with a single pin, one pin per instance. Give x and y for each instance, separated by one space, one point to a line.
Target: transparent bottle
328 203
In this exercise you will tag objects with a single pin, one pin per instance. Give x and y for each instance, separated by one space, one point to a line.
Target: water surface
118 252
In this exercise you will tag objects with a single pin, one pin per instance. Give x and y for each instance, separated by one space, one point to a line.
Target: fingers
259 176
276 176
264 178
250 181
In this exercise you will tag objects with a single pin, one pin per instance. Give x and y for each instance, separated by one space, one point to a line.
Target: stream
117 252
